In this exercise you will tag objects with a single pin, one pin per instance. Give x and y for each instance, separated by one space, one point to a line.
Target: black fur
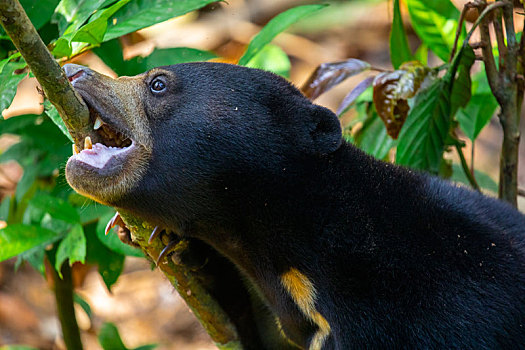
399 259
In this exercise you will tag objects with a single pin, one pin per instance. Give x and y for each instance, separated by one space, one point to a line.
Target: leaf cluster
412 114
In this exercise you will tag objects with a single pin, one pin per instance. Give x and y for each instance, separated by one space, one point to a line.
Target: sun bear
345 250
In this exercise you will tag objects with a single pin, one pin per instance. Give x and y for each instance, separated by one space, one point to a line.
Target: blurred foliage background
47 227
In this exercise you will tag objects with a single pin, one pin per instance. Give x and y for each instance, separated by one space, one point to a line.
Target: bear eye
157 85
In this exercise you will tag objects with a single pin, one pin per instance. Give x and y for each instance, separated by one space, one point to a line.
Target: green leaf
111 53
476 115
63 46
17 124
46 136
83 304
76 12
421 54
39 11
53 162
72 248
435 22
109 337
90 213
484 180
399 49
110 268
139 14
112 241
166 57
18 238
350 99
8 84
56 207
65 13
17 347
49 222
5 61
462 88
74 38
27 183
4 208
94 31
35 257
146 347
480 109
373 138
273 59
275 26
110 264
422 139
48 33
22 152
52 113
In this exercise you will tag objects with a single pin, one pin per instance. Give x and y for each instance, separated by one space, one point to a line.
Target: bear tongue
99 155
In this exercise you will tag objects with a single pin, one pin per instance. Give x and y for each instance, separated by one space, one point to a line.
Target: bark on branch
204 306
505 86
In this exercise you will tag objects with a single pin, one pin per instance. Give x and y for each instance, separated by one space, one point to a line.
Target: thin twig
377 69
466 170
472 148
467 7
482 16
520 70
498 30
453 67
486 48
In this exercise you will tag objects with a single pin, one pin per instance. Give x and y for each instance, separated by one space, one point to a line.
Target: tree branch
504 86
488 57
65 307
204 306
500 39
458 30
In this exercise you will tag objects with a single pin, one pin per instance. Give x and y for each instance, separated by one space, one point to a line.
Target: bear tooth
87 143
98 123
75 149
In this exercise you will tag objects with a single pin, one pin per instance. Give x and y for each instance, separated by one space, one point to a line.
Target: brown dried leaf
391 91
328 75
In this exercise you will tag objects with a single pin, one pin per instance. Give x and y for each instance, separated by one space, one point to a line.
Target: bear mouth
114 143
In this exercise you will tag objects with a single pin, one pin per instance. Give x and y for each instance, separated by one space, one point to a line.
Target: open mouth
113 143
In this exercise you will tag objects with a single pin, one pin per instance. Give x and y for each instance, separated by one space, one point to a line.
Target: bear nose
75 71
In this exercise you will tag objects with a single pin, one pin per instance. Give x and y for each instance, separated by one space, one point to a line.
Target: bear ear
325 130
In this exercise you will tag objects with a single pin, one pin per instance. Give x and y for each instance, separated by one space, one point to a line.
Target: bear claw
114 221
154 234
167 249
